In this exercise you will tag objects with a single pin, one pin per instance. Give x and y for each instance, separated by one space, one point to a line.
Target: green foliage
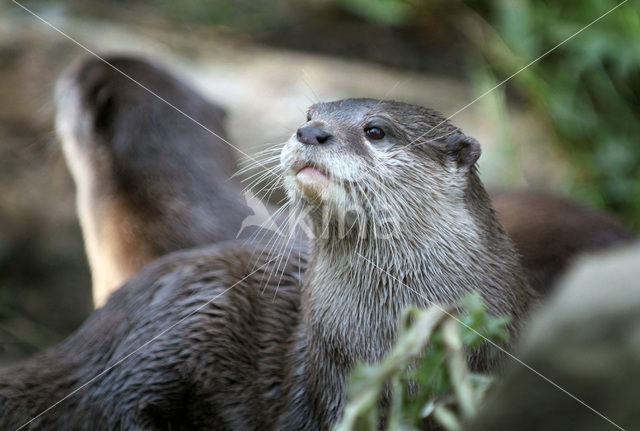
426 372
252 16
385 12
587 88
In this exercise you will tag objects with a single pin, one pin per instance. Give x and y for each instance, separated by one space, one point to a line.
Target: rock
586 340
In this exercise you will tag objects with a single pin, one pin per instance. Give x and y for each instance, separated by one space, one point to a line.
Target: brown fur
149 180
550 232
271 349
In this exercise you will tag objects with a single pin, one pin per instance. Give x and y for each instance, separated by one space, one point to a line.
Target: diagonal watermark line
121 360
269 169
141 85
318 99
497 346
531 63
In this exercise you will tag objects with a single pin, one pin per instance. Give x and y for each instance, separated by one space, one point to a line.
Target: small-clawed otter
149 180
241 345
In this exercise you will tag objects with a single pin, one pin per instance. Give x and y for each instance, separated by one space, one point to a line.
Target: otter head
391 164
119 120
149 162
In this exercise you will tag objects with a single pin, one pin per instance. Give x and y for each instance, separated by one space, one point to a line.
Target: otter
149 179
550 232
241 335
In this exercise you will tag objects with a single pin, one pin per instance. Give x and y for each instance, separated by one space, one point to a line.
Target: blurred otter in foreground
149 180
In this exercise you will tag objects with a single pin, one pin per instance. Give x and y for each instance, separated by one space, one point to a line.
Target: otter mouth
311 171
312 180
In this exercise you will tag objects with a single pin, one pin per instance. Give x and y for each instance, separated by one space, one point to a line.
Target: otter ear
104 109
463 150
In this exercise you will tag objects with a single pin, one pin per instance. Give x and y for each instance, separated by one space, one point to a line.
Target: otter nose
312 135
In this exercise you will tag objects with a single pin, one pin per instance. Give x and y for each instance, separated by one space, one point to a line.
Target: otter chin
312 182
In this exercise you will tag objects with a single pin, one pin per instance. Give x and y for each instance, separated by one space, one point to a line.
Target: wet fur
221 368
449 244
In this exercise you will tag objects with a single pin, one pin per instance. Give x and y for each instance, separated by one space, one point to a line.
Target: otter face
386 159
126 118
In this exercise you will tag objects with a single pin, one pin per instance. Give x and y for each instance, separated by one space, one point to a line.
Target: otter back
550 232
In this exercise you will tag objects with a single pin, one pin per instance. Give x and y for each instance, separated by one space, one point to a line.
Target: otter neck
356 288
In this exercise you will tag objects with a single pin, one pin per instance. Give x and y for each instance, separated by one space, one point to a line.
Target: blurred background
569 123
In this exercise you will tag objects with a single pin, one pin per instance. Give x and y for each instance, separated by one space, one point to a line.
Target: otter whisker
284 263
271 149
262 164
280 244
263 230
261 177
270 184
257 176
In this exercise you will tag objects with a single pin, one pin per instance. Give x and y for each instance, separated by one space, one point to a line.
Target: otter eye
374 133
308 116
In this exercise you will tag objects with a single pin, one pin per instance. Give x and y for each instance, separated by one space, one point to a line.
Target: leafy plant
426 373
587 88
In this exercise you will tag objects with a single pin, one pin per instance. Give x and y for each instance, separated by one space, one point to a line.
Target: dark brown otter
149 179
249 337
550 232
